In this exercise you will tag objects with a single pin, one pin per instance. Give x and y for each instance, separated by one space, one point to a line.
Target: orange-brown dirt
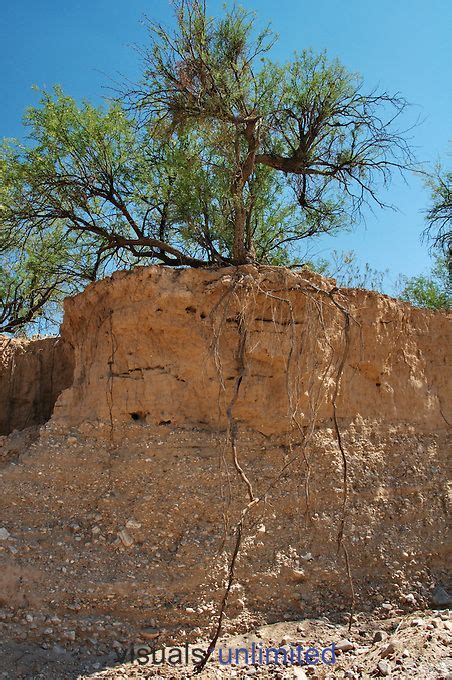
32 375
120 512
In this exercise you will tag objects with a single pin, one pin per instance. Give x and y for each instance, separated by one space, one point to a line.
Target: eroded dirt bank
121 518
157 342
32 375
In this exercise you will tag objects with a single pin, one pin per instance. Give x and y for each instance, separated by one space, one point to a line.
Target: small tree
439 215
433 289
430 290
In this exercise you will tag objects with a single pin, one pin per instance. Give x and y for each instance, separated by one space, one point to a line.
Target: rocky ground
107 546
414 646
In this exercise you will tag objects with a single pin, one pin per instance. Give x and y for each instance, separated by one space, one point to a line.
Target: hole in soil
378 384
190 310
203 316
138 415
165 422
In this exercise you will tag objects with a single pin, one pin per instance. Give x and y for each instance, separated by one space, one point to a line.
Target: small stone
379 636
387 606
388 650
416 622
299 674
298 575
383 668
126 538
344 646
149 633
71 441
448 626
95 531
29 618
410 599
70 634
286 640
133 524
4 534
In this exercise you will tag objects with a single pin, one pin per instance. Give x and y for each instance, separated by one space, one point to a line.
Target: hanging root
241 291
229 411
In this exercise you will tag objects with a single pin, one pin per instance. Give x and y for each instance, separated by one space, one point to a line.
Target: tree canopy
218 156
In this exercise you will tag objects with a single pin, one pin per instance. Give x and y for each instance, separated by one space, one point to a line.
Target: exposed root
314 296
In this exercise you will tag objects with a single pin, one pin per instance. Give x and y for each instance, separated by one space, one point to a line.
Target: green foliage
348 272
439 215
309 120
431 290
224 157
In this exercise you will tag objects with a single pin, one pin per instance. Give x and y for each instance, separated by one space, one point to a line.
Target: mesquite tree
309 120
218 156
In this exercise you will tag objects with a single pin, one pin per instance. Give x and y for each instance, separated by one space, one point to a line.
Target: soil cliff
161 345
200 396
32 375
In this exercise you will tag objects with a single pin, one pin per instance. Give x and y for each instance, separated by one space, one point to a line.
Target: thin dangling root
315 295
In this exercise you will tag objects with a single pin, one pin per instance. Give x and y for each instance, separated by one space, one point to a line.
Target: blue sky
401 45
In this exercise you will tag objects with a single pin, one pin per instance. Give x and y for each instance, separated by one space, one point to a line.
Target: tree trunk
239 251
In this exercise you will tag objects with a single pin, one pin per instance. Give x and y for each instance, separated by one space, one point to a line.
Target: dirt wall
161 345
337 402
32 375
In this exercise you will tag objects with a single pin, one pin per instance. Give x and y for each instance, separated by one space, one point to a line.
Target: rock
149 633
387 606
95 531
383 668
298 575
344 646
298 674
133 524
379 636
71 441
416 622
410 599
388 650
125 538
4 534
69 634
440 598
